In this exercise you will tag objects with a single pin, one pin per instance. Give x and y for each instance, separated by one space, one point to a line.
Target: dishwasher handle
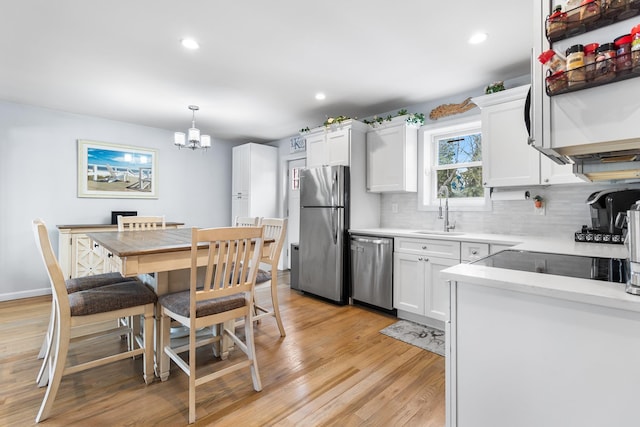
372 241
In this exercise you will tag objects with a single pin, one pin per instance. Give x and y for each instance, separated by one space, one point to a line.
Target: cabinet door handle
95 245
424 248
474 252
420 258
110 255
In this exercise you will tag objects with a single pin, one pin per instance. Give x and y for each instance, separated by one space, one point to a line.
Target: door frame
283 205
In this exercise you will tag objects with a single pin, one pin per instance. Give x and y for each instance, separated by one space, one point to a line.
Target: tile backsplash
565 212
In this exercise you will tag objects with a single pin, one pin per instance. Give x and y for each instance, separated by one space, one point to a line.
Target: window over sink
450 157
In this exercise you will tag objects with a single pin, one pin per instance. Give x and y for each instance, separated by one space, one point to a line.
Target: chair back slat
240 221
232 261
139 223
275 228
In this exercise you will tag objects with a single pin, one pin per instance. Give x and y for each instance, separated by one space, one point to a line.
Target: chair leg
48 335
45 351
192 375
274 301
147 357
165 340
251 352
56 368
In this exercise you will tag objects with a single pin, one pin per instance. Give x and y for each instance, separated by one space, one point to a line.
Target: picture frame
116 171
297 144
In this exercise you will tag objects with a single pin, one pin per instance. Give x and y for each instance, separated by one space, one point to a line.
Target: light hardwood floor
332 368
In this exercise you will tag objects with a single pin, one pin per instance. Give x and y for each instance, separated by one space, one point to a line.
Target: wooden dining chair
222 294
86 307
274 228
73 285
240 221
141 223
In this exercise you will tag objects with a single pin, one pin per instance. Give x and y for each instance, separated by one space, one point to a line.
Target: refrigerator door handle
334 180
334 225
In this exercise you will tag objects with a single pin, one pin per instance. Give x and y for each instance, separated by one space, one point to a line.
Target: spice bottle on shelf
635 48
589 11
575 66
573 13
605 62
552 61
556 23
623 54
590 60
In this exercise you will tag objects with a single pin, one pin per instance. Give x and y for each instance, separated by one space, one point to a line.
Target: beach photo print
116 171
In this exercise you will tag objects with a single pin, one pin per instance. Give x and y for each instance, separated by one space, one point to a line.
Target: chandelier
192 139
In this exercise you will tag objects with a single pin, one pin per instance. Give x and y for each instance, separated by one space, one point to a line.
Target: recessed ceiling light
190 44
478 38
320 96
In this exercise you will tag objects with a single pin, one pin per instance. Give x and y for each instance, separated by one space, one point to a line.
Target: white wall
38 178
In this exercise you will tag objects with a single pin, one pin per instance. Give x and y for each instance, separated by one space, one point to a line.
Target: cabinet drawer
432 247
473 251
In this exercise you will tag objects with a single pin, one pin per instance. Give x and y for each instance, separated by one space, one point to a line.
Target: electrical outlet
394 207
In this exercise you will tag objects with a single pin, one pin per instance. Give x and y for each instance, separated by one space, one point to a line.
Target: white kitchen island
529 349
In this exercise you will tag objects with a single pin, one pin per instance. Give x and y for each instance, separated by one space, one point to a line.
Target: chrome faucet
445 192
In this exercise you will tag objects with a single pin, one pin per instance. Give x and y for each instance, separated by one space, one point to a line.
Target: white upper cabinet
392 158
508 160
334 145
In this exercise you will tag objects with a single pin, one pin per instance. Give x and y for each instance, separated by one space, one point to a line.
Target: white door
293 189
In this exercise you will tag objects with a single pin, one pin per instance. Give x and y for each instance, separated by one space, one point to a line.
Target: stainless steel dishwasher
372 270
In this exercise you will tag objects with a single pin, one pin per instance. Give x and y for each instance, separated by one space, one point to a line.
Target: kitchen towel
510 195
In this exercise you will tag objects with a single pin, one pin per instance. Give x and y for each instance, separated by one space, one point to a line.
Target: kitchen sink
440 233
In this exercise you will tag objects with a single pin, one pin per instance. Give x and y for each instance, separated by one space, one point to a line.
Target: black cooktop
584 267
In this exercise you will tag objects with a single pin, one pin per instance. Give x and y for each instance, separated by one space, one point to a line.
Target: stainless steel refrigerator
324 220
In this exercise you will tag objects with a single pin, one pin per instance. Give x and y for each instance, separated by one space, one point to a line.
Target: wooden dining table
160 258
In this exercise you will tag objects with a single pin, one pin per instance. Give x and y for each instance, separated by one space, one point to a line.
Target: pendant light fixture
192 139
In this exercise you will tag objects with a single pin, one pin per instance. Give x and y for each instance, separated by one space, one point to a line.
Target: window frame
427 155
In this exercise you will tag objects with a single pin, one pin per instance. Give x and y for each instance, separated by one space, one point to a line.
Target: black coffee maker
605 206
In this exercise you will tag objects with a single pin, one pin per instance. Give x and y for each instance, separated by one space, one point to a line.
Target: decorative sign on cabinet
392 157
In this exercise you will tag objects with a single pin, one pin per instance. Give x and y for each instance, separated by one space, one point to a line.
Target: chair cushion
83 283
263 276
111 297
178 302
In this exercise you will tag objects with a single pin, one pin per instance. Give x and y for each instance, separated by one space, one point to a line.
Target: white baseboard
25 294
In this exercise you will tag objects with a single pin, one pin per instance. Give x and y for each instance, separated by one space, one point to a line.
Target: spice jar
573 13
623 54
552 61
590 60
575 66
556 23
605 62
589 11
616 7
635 48
556 82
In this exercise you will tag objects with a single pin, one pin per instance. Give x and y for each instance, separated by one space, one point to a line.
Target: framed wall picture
297 144
116 171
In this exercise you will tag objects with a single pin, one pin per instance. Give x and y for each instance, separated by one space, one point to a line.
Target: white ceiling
260 62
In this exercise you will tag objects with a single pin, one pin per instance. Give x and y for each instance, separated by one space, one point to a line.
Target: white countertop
568 288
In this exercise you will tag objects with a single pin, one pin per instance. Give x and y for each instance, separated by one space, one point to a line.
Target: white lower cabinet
419 292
